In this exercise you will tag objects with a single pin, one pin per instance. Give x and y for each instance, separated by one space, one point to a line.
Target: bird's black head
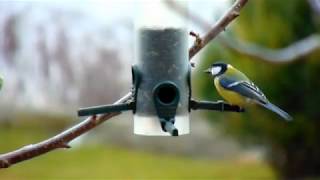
217 69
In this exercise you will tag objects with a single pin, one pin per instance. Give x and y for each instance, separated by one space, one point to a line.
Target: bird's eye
215 70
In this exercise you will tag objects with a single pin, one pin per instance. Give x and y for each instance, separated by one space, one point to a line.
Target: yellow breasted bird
237 89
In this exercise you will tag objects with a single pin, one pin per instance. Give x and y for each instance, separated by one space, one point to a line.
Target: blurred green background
291 82
57 56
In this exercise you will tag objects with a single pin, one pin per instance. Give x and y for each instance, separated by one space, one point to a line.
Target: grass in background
101 162
110 162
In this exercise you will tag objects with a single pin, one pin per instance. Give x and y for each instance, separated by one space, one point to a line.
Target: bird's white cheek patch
215 70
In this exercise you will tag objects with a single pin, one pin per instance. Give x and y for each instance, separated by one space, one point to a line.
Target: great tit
237 89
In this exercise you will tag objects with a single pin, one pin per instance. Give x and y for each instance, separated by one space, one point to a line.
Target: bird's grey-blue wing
245 88
249 90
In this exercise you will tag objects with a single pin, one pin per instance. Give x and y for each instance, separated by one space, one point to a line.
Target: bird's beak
207 71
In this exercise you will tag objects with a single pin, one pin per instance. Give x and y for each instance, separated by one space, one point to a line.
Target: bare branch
220 26
283 55
59 141
315 5
62 140
292 52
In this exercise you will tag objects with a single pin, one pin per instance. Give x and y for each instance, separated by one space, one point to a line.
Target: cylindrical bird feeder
161 59
163 67
161 90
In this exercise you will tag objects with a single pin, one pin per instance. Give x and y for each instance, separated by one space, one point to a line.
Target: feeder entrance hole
167 93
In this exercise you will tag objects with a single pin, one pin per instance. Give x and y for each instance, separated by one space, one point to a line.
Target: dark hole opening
167 94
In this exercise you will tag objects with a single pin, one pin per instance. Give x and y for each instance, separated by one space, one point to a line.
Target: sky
88 18
107 11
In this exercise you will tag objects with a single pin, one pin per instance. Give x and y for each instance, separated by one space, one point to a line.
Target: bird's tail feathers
277 110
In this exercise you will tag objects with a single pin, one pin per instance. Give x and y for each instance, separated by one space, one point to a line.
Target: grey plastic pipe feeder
161 85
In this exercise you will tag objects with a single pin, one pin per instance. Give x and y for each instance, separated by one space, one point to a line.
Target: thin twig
220 26
62 140
290 53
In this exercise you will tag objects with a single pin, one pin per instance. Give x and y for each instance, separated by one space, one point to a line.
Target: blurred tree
293 148
1 82
95 88
9 38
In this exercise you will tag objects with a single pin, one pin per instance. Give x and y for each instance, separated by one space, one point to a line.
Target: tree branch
292 52
62 140
315 5
59 141
220 26
287 54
